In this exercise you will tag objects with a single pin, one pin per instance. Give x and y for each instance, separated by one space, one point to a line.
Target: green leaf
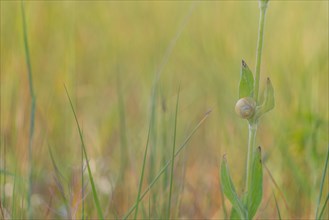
229 190
255 189
246 84
268 102
234 215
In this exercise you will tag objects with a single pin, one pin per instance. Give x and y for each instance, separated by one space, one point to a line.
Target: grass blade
324 207
158 73
82 187
13 202
276 186
91 179
173 159
277 207
322 182
142 172
32 114
157 77
59 184
167 164
153 140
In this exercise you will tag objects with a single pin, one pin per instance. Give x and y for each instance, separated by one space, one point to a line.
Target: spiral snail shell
245 107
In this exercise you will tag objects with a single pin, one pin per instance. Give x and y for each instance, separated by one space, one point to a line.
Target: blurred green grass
87 44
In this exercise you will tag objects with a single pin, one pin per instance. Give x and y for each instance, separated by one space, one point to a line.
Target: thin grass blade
324 207
32 114
322 182
167 164
142 174
173 159
58 182
277 207
276 186
91 179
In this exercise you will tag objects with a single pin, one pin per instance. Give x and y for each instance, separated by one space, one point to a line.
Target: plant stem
254 123
251 148
262 6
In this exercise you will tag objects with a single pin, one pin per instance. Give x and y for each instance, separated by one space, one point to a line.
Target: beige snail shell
245 107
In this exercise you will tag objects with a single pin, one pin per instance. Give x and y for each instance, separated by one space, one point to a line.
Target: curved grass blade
322 182
91 179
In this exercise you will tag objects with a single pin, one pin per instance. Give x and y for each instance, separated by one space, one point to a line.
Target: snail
245 107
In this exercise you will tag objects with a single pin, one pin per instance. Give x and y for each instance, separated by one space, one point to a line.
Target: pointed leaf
268 102
229 190
246 84
268 96
255 189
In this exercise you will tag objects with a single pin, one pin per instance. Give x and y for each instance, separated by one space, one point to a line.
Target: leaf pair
246 207
246 89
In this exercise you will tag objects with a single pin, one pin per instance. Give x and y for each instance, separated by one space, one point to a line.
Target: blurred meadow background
108 54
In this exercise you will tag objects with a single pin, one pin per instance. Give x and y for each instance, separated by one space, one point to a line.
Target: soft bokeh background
107 51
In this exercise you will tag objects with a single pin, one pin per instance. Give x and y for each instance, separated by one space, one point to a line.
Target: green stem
251 148
262 6
254 123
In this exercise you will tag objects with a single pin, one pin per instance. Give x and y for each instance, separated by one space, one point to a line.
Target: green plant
32 114
84 152
251 107
317 214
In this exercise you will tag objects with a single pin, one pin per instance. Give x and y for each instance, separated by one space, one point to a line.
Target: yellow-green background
89 45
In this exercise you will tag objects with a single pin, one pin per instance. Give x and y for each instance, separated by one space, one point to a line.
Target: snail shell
245 107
